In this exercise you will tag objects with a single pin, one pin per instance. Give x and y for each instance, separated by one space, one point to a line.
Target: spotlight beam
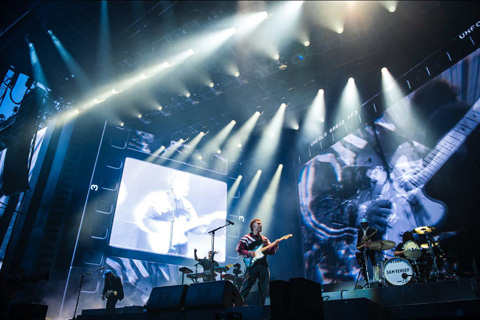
267 203
246 199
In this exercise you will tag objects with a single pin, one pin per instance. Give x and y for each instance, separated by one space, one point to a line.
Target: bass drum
398 271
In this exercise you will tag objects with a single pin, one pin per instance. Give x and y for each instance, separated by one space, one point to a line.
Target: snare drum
412 250
398 271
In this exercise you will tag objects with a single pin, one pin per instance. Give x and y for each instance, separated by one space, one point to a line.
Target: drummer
407 244
206 263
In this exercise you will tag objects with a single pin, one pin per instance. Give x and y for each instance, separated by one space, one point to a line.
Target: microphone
229 221
101 268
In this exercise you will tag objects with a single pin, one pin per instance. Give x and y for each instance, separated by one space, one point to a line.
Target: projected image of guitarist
254 247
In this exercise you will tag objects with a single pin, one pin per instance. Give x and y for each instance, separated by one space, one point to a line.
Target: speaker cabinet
298 298
215 294
167 298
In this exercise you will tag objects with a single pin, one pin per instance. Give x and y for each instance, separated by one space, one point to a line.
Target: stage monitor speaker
298 298
215 294
167 298
27 311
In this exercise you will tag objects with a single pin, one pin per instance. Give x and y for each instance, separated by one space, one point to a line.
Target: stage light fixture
306 43
237 74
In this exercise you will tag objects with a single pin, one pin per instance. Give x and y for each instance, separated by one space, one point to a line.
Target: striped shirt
250 242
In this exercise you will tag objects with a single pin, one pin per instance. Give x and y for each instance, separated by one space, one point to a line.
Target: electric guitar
164 235
364 242
415 208
110 293
249 261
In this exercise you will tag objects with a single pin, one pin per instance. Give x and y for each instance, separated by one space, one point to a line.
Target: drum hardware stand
436 272
418 275
365 265
356 282
195 280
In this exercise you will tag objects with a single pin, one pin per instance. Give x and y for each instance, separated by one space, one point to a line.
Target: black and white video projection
168 211
417 166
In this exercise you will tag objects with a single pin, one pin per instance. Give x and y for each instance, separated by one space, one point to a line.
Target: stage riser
300 297
362 309
358 309
252 312
445 310
454 290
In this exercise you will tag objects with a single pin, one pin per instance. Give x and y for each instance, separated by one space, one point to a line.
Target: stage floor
452 299
388 296
434 300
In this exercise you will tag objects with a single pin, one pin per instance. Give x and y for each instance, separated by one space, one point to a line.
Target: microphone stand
212 232
82 276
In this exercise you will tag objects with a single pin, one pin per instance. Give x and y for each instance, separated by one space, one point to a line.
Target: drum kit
205 276
420 263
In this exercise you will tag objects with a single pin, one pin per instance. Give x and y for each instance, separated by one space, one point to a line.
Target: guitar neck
271 244
448 146
368 238
267 247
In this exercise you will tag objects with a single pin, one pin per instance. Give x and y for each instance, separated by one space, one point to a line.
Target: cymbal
185 270
228 276
423 230
382 245
425 245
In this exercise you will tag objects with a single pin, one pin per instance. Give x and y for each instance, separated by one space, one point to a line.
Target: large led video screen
416 166
168 211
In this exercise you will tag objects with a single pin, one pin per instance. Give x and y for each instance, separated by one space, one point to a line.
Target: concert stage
300 299
435 300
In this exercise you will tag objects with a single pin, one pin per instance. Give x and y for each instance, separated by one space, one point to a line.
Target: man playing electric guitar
366 235
259 269
112 291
